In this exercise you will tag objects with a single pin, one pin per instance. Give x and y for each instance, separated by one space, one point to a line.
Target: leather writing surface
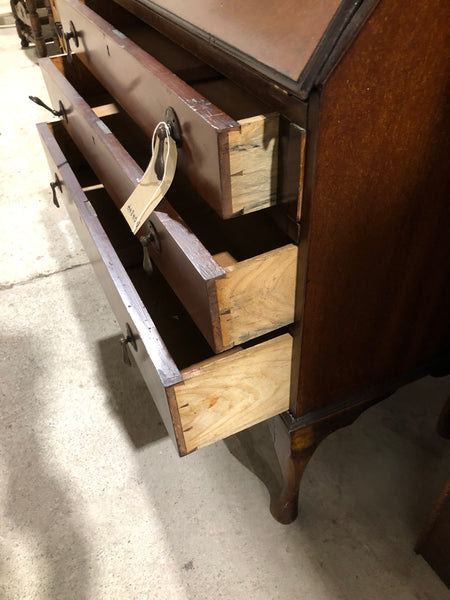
282 35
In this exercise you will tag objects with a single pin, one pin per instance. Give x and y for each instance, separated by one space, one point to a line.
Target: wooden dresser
296 270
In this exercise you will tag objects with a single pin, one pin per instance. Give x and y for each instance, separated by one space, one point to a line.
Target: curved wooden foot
295 442
294 451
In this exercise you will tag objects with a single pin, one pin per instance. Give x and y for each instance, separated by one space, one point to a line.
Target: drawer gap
127 247
182 62
236 237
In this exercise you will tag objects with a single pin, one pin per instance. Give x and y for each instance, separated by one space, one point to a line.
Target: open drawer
236 278
201 398
231 159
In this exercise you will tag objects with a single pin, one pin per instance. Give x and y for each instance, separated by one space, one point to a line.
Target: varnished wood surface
376 211
145 88
255 380
282 36
160 371
225 63
112 164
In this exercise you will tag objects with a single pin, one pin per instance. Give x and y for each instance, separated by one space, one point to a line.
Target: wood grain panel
109 160
253 152
234 391
377 290
258 377
257 295
262 283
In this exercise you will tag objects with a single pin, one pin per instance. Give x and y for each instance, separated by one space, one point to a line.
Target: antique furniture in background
34 23
301 255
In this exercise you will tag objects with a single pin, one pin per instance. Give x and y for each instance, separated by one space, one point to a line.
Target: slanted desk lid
283 39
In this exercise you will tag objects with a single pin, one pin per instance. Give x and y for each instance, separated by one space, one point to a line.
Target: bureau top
287 40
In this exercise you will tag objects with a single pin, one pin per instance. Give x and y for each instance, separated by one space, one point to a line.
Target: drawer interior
220 90
230 138
201 397
233 236
183 339
181 336
235 277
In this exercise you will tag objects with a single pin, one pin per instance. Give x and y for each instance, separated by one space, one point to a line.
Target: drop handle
129 339
71 35
54 185
153 239
57 113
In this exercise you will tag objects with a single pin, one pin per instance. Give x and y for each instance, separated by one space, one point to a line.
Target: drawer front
208 400
152 357
229 303
233 164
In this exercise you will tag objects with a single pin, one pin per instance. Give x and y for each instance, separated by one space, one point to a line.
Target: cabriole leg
294 450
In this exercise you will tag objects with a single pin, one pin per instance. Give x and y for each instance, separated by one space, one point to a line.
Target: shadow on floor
38 505
128 396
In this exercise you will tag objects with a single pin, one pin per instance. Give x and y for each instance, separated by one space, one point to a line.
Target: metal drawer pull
57 113
153 239
53 185
130 339
72 35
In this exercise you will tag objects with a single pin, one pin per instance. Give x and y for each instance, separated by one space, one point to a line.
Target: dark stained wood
160 371
146 88
242 403
434 542
287 43
292 168
241 73
112 164
178 60
377 291
185 262
295 445
81 79
282 36
181 257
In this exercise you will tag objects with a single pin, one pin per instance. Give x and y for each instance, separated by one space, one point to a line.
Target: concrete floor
96 503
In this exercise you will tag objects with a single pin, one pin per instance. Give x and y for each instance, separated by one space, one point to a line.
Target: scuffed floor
96 503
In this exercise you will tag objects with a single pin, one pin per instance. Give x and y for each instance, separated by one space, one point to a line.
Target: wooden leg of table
295 442
294 451
22 36
41 49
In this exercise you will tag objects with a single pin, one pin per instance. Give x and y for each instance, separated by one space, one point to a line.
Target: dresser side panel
376 292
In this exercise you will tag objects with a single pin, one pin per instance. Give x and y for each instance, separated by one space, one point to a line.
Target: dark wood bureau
300 258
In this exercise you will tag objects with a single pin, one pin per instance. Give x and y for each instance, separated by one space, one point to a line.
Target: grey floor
96 503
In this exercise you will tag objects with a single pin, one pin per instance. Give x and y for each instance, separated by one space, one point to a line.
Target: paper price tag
150 190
